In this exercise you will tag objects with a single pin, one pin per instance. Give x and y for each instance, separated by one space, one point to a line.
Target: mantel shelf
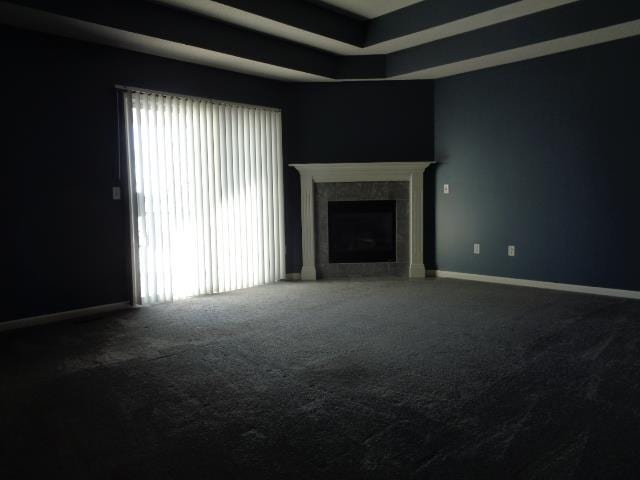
360 172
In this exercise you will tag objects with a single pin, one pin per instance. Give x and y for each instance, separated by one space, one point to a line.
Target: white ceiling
47 22
221 11
26 17
528 52
370 8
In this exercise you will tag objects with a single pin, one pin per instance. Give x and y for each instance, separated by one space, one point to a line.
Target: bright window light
208 201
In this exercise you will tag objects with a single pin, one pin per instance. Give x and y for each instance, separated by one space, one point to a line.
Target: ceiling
369 8
335 40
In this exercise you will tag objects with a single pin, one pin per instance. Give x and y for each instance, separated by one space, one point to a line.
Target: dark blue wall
543 155
356 122
68 240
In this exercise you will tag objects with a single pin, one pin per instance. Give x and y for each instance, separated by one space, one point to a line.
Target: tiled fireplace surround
328 192
399 181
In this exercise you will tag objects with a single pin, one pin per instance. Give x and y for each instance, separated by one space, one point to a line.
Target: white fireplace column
307 209
411 172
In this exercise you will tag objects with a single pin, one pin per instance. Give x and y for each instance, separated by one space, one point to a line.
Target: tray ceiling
336 40
369 8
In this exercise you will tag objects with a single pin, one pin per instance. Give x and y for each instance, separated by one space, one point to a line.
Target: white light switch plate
116 193
476 249
511 250
445 189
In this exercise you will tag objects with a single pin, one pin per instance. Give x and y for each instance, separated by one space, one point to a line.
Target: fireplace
321 183
362 231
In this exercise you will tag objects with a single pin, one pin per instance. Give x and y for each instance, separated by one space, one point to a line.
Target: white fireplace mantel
411 172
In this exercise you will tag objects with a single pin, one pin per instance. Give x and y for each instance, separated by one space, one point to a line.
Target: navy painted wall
356 122
68 240
543 155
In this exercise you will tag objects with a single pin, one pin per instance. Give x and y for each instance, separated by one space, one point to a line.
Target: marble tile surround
351 191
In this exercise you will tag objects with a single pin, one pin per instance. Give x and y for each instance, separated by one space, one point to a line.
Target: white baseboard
566 287
61 316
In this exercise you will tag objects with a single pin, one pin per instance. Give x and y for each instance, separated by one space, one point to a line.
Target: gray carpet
375 379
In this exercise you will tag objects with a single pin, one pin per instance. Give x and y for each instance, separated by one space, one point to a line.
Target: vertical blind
207 195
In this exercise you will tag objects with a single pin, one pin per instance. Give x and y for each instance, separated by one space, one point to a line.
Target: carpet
345 379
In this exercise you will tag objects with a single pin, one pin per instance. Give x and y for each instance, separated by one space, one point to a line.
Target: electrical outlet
476 249
511 250
115 191
445 189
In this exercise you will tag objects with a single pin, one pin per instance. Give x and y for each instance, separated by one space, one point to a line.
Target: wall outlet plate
511 250
115 191
476 249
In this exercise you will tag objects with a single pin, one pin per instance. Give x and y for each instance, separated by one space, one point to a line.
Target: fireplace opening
362 231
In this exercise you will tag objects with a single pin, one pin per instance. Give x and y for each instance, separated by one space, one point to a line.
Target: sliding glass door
207 196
